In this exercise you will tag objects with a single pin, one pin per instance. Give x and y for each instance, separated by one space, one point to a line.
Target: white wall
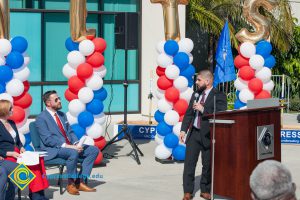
152 33
296 10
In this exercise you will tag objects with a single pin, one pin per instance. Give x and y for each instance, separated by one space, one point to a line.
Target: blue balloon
182 60
29 148
179 152
6 74
190 82
95 106
14 60
163 129
270 62
85 119
188 72
2 88
27 139
237 93
19 44
100 94
171 140
171 47
78 130
238 104
159 116
263 48
70 45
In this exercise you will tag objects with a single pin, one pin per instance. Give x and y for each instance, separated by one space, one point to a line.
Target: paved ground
122 178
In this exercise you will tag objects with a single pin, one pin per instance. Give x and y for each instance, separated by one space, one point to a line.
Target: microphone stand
213 151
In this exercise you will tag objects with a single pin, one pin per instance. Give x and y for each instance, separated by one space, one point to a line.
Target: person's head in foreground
271 180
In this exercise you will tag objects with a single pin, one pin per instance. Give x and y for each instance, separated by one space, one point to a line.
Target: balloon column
85 70
14 85
175 83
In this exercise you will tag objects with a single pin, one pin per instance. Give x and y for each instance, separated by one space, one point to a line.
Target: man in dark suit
196 125
58 139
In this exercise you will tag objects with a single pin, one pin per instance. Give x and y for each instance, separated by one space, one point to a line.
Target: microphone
196 95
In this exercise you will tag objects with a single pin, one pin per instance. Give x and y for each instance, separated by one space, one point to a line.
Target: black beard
201 89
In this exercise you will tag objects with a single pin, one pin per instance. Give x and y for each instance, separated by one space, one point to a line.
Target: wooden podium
237 144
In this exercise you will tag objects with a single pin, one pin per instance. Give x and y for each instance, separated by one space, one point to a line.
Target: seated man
271 180
58 139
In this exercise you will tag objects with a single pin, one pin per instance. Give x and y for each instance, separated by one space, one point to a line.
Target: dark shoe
35 196
85 188
205 195
187 196
71 188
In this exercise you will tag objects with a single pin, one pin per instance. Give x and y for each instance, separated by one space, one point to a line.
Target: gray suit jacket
51 137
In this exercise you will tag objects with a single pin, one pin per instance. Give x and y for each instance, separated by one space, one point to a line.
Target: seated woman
11 147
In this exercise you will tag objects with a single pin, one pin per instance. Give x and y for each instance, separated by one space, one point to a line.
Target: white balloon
76 107
75 58
100 119
240 84
171 117
264 74
68 71
2 60
26 60
257 62
159 139
181 83
88 141
22 74
94 131
25 128
163 60
5 47
21 124
71 119
177 128
186 45
101 71
15 87
86 47
162 152
6 96
159 93
172 72
95 82
27 112
269 86
85 95
246 95
160 47
163 105
22 138
247 49
187 94
191 57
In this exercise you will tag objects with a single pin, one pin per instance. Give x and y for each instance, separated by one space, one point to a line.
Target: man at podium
196 126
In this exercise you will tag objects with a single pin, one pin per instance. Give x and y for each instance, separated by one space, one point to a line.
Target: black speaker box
126 31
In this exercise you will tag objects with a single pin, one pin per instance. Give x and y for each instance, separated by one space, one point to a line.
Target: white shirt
207 91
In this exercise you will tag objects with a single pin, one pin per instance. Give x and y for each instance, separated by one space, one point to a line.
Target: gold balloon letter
78 14
259 22
4 19
170 9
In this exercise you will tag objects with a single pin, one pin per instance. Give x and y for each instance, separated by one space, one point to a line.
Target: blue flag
224 71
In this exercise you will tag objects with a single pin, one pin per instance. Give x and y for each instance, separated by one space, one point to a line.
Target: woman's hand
22 150
1 158
13 154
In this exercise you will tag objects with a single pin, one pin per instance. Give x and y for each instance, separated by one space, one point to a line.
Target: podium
243 139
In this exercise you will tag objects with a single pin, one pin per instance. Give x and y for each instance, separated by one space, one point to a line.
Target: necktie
199 116
61 128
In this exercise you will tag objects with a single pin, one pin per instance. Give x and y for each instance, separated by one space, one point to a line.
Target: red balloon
100 44
84 71
160 71
172 94
263 95
24 100
181 106
240 61
90 37
98 159
18 114
181 118
164 83
246 73
100 142
75 84
70 95
255 85
26 86
96 59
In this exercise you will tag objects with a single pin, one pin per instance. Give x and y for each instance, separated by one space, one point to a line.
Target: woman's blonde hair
5 106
